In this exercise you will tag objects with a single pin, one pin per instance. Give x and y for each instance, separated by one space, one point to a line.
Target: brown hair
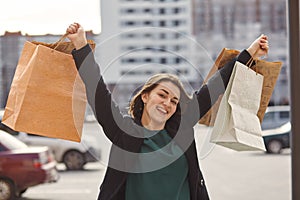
136 105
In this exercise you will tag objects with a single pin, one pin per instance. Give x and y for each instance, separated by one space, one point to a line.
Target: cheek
173 109
155 99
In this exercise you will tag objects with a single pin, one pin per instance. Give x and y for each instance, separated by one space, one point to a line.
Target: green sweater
169 180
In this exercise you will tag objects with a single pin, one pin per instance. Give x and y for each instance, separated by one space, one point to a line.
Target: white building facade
141 38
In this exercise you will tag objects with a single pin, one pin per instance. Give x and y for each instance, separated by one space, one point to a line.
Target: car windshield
286 128
10 141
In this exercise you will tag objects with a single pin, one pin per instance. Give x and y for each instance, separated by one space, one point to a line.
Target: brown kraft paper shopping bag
270 71
224 56
47 96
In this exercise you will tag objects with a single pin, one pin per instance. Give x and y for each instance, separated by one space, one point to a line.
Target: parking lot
229 175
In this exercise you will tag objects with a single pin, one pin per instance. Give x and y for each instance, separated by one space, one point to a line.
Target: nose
167 102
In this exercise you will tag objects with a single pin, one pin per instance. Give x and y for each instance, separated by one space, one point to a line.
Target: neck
153 128
150 125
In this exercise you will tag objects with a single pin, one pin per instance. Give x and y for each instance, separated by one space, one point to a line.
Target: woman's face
159 105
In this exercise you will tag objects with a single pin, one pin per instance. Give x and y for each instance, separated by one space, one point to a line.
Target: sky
39 17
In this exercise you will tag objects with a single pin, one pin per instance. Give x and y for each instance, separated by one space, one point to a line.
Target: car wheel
7 190
74 160
274 146
22 192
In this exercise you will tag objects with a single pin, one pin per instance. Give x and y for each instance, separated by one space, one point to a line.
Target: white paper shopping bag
237 125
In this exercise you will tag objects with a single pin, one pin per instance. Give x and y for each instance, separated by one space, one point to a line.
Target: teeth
162 110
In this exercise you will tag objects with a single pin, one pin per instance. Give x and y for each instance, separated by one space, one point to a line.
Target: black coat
116 126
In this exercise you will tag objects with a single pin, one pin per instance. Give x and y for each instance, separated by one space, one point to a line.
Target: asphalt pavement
229 175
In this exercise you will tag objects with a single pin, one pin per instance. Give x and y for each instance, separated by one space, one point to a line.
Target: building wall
236 23
9 52
143 37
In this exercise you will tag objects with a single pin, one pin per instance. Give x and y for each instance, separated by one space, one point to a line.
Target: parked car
275 116
278 138
22 167
73 154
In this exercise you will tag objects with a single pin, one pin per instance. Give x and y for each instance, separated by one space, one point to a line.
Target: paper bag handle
56 44
251 60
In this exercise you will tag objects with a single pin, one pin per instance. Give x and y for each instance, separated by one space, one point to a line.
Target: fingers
73 28
259 47
76 35
263 42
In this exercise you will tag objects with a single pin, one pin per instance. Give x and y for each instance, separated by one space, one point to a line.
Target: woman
153 155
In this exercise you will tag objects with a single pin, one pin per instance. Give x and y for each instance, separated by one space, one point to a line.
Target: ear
145 97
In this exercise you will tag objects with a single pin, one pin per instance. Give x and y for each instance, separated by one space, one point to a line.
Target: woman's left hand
76 35
260 46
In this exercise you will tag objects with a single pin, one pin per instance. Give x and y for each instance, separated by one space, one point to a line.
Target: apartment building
143 37
234 24
140 38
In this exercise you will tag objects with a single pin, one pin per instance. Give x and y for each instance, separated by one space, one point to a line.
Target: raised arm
99 97
208 94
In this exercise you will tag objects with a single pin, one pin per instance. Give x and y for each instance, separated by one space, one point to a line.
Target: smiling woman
158 100
48 17
159 105
153 155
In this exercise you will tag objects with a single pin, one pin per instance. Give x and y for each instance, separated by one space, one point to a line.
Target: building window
162 48
177 60
130 23
147 23
148 48
176 10
176 23
148 35
147 60
162 36
177 47
162 23
177 35
163 60
128 60
147 10
131 35
181 72
130 48
162 11
130 11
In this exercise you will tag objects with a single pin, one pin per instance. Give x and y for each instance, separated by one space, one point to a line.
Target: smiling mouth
162 110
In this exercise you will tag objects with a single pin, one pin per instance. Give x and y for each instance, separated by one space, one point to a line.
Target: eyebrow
169 93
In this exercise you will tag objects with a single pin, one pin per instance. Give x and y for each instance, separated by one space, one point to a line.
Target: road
229 175
72 185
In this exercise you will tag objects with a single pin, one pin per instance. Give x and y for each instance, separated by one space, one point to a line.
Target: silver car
275 117
73 154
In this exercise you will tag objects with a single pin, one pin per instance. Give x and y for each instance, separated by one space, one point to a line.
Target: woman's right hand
259 47
76 35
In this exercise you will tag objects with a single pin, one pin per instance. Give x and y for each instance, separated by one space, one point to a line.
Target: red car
22 167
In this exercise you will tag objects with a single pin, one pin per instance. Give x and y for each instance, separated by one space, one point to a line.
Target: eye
162 95
174 102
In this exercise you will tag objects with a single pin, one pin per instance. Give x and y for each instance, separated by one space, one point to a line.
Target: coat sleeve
99 97
208 94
